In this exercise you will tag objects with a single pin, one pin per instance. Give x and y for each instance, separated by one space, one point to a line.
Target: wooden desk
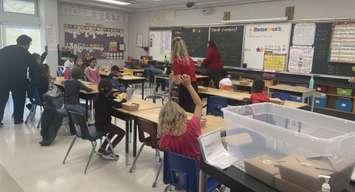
136 72
242 96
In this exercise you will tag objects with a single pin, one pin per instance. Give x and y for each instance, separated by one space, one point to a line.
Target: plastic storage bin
295 98
344 92
280 95
283 130
344 104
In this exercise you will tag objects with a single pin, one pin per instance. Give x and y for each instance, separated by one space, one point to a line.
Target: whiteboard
273 38
160 44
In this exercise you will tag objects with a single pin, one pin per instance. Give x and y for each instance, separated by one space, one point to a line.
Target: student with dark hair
213 63
103 109
114 77
92 73
258 95
14 63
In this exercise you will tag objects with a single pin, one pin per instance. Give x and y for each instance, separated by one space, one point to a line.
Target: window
20 6
12 32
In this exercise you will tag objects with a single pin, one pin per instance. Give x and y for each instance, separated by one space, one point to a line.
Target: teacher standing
183 65
213 63
14 62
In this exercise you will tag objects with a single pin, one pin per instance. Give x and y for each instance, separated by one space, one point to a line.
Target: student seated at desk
226 82
258 95
92 73
72 90
177 134
113 78
103 109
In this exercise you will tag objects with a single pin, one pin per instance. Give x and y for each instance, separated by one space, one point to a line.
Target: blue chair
183 173
86 133
215 104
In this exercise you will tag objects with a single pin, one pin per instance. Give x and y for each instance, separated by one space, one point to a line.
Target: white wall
304 9
65 18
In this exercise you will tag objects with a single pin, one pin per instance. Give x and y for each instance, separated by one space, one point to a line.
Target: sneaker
108 156
100 152
1 124
29 106
112 153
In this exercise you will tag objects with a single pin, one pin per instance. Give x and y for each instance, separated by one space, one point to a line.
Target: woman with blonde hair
183 65
177 134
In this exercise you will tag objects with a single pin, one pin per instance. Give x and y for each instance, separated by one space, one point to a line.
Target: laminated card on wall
304 34
272 38
301 59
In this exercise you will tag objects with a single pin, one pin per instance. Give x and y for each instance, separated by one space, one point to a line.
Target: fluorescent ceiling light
114 2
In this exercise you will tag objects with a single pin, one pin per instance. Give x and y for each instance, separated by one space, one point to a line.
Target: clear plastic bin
277 131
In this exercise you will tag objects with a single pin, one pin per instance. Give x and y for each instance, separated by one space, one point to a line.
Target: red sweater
184 66
259 98
213 60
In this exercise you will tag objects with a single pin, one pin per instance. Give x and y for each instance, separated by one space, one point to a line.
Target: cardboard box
286 186
263 168
305 172
130 106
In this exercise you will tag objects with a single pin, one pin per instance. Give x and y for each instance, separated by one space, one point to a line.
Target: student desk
136 72
242 96
88 96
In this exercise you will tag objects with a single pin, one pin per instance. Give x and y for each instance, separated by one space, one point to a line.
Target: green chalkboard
229 40
196 39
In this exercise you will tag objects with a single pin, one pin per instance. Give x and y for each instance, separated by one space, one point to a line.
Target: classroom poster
160 44
259 39
301 59
304 34
274 62
342 47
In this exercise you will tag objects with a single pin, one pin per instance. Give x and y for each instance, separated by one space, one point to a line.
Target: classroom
177 95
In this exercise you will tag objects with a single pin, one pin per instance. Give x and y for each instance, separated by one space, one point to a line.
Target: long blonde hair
172 120
179 49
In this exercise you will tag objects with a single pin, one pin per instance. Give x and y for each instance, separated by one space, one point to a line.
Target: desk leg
202 181
86 109
143 90
130 131
127 142
135 127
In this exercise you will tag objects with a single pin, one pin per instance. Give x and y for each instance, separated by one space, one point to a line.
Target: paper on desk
214 152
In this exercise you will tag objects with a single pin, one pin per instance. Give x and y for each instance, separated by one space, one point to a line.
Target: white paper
259 38
214 152
301 59
343 44
304 34
160 44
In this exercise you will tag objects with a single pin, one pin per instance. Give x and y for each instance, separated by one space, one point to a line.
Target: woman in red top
213 63
177 134
258 95
183 65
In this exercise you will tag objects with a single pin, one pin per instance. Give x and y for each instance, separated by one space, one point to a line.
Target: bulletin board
259 39
160 44
274 62
97 41
342 48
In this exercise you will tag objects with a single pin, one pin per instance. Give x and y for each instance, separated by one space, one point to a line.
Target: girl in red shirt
183 65
213 63
177 134
258 95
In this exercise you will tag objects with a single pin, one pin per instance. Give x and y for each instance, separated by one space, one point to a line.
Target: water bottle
311 82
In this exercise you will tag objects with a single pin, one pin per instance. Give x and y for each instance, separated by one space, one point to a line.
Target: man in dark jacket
14 62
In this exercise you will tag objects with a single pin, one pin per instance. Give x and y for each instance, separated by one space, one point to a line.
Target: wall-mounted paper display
160 44
273 38
304 34
301 59
342 49
274 62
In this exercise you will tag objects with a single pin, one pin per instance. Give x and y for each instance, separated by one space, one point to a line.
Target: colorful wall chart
259 39
301 59
342 49
160 44
99 42
274 62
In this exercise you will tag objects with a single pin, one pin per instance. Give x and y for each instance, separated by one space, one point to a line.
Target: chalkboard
321 64
229 40
196 40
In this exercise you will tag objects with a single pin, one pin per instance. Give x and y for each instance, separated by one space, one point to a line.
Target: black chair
147 134
36 101
86 133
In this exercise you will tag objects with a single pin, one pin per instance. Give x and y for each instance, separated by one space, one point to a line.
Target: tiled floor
39 169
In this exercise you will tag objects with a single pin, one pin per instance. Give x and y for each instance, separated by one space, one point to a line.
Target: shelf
335 95
332 109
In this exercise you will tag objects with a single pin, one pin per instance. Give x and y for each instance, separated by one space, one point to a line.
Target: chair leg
70 147
30 114
158 173
39 122
135 159
34 112
91 154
